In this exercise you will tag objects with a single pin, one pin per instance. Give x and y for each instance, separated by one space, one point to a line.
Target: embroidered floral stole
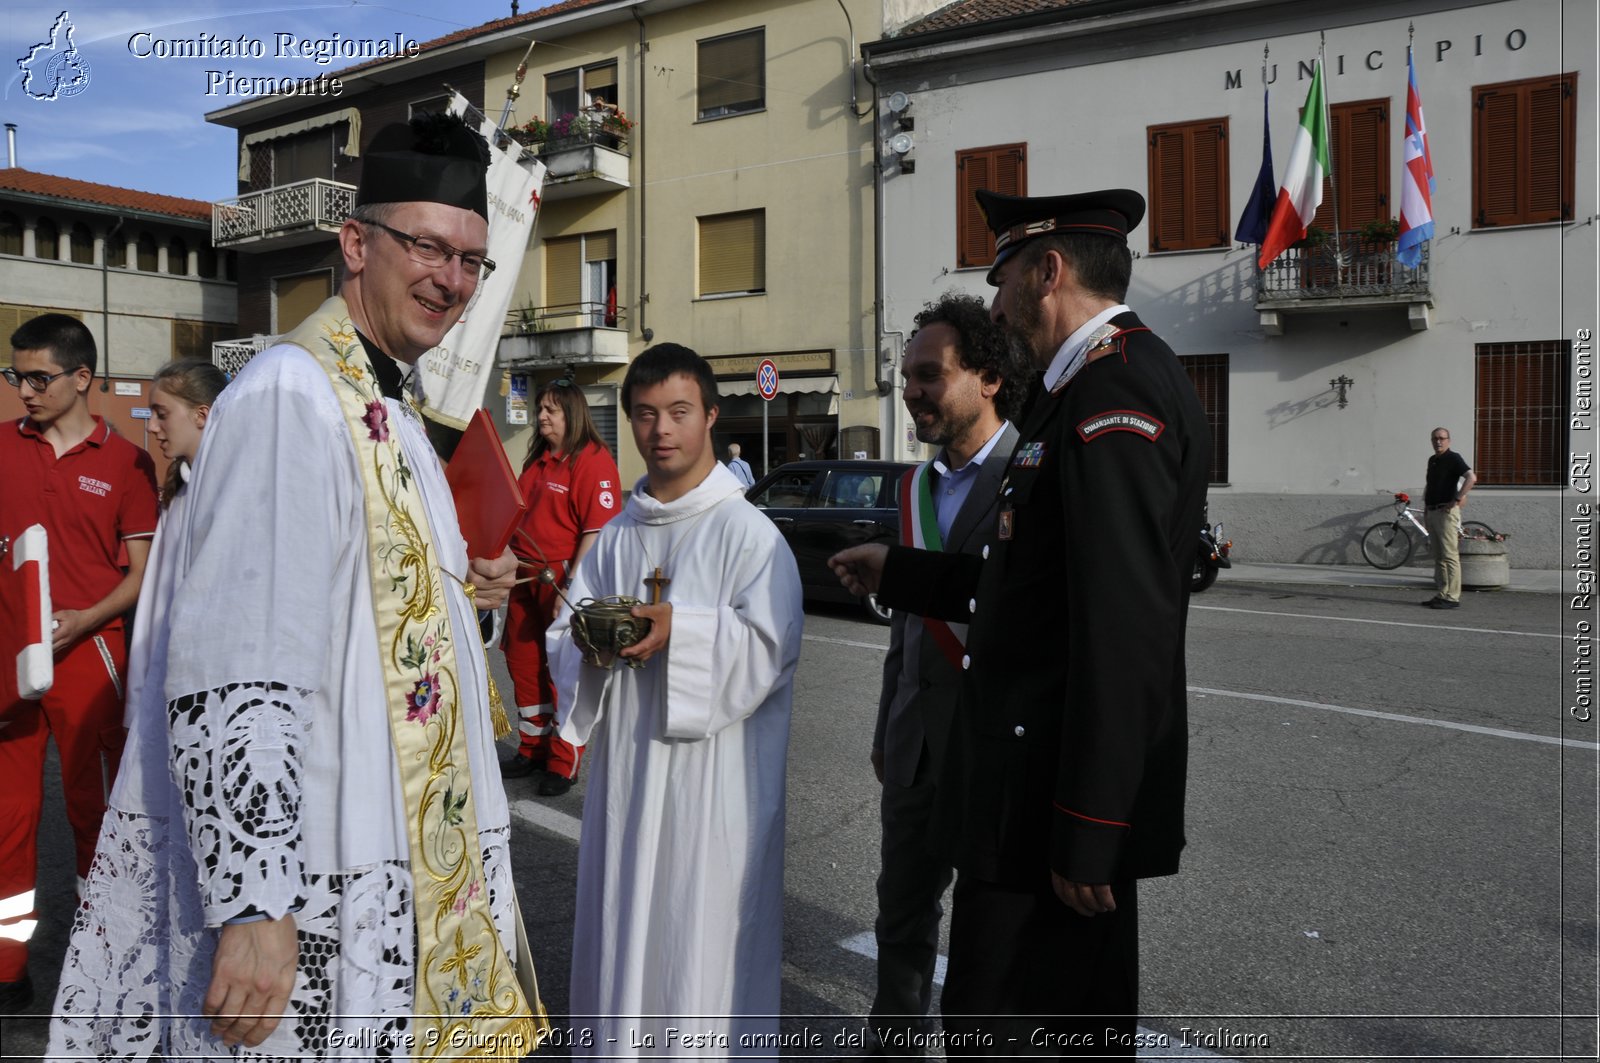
468 1002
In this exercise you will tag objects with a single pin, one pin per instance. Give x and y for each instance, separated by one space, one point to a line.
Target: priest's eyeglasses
431 252
37 381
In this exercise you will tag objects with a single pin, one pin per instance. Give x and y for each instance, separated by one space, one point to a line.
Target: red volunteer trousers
82 711
528 615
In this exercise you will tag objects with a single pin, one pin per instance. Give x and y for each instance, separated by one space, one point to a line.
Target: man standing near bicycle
1449 480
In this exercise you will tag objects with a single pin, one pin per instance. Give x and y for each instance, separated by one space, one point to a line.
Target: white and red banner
1416 177
456 373
1301 192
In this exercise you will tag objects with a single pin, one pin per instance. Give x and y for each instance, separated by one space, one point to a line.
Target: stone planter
1485 565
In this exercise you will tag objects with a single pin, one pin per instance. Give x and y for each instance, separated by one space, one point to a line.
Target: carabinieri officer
1064 781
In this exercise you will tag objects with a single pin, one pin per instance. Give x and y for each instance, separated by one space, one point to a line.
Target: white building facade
1324 376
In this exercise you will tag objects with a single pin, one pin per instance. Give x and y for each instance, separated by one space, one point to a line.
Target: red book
489 504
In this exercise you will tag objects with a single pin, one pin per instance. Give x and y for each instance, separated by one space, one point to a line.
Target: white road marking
546 818
866 944
1571 743
846 642
1386 623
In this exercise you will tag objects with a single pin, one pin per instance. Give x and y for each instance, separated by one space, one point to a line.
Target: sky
125 114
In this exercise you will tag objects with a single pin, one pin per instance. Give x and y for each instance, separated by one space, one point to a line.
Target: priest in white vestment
679 920
307 854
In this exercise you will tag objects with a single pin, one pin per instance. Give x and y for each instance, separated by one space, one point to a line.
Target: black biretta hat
1017 219
436 158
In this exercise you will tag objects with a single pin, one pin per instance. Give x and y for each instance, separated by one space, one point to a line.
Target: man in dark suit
1064 779
964 380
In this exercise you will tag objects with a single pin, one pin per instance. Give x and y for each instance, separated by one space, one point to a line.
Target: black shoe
517 767
1441 603
553 785
15 997
1429 603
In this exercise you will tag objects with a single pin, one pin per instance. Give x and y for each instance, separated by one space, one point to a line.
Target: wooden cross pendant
657 584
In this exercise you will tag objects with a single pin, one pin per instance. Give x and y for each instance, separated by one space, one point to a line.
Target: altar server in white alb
680 871
306 855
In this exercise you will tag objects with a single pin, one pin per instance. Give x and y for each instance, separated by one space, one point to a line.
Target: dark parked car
824 506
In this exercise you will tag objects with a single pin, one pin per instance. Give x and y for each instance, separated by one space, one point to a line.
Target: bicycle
1390 544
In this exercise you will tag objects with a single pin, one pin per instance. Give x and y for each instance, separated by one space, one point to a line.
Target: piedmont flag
1301 193
1258 212
1416 177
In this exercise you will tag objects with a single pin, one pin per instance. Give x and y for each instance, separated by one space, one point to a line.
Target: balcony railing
302 209
230 356
531 320
1351 270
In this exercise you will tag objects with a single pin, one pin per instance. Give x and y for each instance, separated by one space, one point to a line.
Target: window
733 253
13 316
1002 169
145 255
852 490
296 298
580 281
731 76
788 491
177 256
82 244
1520 422
1209 375
302 157
1189 185
193 339
571 91
1524 151
431 105
1358 135
10 233
46 240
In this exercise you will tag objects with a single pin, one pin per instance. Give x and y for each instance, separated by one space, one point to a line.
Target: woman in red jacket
572 488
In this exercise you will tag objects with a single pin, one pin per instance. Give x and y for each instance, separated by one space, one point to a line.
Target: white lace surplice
259 775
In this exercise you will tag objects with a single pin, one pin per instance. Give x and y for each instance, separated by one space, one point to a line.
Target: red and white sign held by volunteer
26 574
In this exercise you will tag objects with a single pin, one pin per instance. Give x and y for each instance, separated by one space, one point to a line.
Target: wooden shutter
1358 140
1002 168
731 74
733 253
1520 414
563 272
600 247
1188 174
1524 151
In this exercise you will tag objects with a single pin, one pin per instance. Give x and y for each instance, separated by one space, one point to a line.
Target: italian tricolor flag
1301 193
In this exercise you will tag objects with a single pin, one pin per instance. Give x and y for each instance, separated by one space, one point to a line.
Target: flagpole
1333 166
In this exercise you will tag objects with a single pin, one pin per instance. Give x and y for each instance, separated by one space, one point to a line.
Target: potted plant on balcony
614 127
1380 232
530 134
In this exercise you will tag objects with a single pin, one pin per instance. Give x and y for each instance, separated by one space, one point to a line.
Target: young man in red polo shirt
95 494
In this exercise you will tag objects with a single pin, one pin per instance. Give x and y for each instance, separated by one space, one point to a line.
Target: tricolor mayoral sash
919 527
468 1002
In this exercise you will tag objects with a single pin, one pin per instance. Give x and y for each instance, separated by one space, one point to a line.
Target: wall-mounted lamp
900 141
1342 384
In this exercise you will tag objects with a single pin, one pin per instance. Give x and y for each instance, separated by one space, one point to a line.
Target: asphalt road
1391 839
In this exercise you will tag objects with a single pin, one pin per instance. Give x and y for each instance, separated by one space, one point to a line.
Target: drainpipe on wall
644 289
105 307
884 370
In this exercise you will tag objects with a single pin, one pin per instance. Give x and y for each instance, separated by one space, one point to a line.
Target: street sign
767 379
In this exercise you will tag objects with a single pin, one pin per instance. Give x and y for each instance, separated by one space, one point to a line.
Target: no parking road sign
767 379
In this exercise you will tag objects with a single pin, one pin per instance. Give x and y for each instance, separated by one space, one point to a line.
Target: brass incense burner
607 625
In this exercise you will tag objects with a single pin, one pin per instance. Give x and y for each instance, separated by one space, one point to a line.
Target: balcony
284 216
231 355
584 154
1352 273
542 337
